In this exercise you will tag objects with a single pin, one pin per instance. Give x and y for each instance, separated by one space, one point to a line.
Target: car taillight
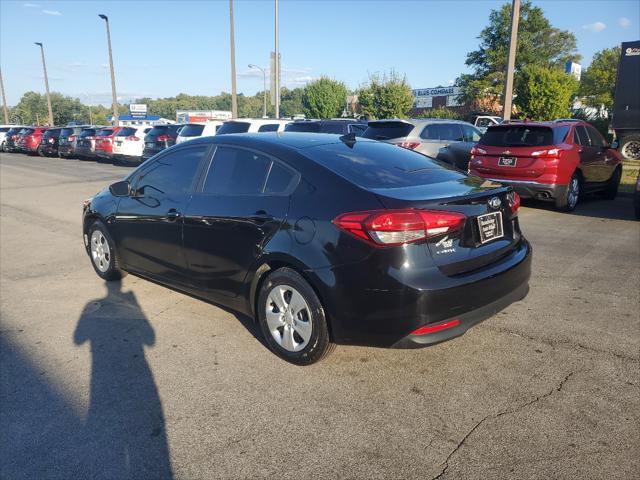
409 145
551 153
436 327
514 202
478 151
398 227
164 138
132 137
72 138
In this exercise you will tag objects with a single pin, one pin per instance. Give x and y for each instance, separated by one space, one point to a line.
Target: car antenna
349 139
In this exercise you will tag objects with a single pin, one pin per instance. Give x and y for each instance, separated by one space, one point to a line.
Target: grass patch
630 170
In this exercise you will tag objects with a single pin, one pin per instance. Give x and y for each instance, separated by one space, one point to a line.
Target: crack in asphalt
555 389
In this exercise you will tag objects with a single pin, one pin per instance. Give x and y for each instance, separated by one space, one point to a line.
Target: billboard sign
138 110
423 97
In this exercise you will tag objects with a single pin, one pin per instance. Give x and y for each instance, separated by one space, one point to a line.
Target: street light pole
46 83
234 97
116 120
4 101
277 64
513 43
264 81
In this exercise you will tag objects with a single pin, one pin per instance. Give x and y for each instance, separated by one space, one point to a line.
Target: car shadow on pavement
124 433
595 206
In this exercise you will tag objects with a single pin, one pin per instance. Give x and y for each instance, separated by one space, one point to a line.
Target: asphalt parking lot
138 381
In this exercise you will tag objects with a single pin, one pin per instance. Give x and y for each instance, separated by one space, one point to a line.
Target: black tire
109 267
630 147
318 344
567 201
611 191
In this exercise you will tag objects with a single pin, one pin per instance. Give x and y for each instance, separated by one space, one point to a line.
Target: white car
128 144
194 130
250 125
3 133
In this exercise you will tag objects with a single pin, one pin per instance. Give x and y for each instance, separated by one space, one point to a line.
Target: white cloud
595 27
624 22
54 13
30 5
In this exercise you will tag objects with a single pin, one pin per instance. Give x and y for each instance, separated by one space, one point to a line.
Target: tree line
542 89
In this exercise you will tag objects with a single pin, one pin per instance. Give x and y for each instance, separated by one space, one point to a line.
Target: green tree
291 102
32 108
539 43
598 83
388 96
324 98
545 93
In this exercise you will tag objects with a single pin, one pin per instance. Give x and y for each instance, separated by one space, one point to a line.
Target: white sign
140 108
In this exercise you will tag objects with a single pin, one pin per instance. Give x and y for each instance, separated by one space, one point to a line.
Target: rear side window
279 180
233 127
192 130
172 173
559 134
518 136
127 131
236 171
387 130
312 127
580 136
270 127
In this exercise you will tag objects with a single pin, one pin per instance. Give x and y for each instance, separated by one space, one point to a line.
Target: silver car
447 140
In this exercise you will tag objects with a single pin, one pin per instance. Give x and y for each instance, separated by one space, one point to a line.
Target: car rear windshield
13 131
105 132
192 130
66 132
313 127
27 131
387 130
233 127
523 136
127 131
4 129
88 132
170 130
380 165
51 133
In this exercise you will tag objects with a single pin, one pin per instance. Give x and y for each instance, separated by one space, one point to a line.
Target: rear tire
292 319
611 191
102 252
630 147
569 199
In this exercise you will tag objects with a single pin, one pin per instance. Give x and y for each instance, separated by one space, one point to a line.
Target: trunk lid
509 162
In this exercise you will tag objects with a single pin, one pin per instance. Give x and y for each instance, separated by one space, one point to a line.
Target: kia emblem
494 202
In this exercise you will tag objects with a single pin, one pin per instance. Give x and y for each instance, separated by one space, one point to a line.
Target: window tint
237 172
559 134
192 130
279 179
471 134
596 138
357 128
583 138
517 136
451 132
313 127
87 132
51 133
332 128
127 131
431 132
387 130
270 127
65 132
171 173
233 127
105 132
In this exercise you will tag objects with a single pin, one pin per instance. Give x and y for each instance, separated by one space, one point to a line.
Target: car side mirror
615 144
120 189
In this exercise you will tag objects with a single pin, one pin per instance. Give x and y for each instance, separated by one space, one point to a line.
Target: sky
162 48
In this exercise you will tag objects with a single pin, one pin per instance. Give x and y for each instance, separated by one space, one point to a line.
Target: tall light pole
113 75
511 62
234 95
264 81
46 83
277 64
4 101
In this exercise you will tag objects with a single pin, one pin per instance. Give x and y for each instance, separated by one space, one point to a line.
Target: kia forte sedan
320 238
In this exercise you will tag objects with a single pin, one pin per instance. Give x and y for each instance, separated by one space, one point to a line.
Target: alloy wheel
100 251
289 318
631 150
574 192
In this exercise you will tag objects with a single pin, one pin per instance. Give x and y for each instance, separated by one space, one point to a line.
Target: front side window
172 173
596 138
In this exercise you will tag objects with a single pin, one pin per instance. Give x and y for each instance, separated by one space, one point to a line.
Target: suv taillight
550 153
398 227
409 145
164 138
478 151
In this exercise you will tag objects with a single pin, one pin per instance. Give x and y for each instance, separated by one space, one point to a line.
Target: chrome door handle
173 215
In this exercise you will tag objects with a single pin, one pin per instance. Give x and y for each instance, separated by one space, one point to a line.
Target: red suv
554 161
29 140
104 142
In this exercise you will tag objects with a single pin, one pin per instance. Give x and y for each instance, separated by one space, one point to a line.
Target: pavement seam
555 389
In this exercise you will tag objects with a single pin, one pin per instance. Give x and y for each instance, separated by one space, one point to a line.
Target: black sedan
320 238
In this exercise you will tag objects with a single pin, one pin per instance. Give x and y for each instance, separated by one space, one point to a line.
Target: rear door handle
173 215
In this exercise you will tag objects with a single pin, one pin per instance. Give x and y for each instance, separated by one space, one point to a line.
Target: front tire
569 199
102 251
292 319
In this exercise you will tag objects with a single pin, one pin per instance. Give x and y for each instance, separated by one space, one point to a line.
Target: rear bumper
48 149
535 190
65 150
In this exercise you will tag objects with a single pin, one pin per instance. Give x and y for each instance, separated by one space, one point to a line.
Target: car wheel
568 201
292 319
630 147
611 191
103 252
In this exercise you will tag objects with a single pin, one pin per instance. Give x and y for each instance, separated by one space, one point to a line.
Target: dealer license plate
507 161
490 226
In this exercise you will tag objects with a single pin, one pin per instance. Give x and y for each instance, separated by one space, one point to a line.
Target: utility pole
511 62
46 84
234 95
4 101
116 121
277 64
264 82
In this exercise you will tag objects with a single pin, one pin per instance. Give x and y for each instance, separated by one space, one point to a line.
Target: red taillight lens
409 145
132 137
164 138
478 151
551 153
398 227
514 202
436 327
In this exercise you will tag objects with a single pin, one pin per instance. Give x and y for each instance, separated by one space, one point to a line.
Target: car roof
416 122
292 141
259 121
550 124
